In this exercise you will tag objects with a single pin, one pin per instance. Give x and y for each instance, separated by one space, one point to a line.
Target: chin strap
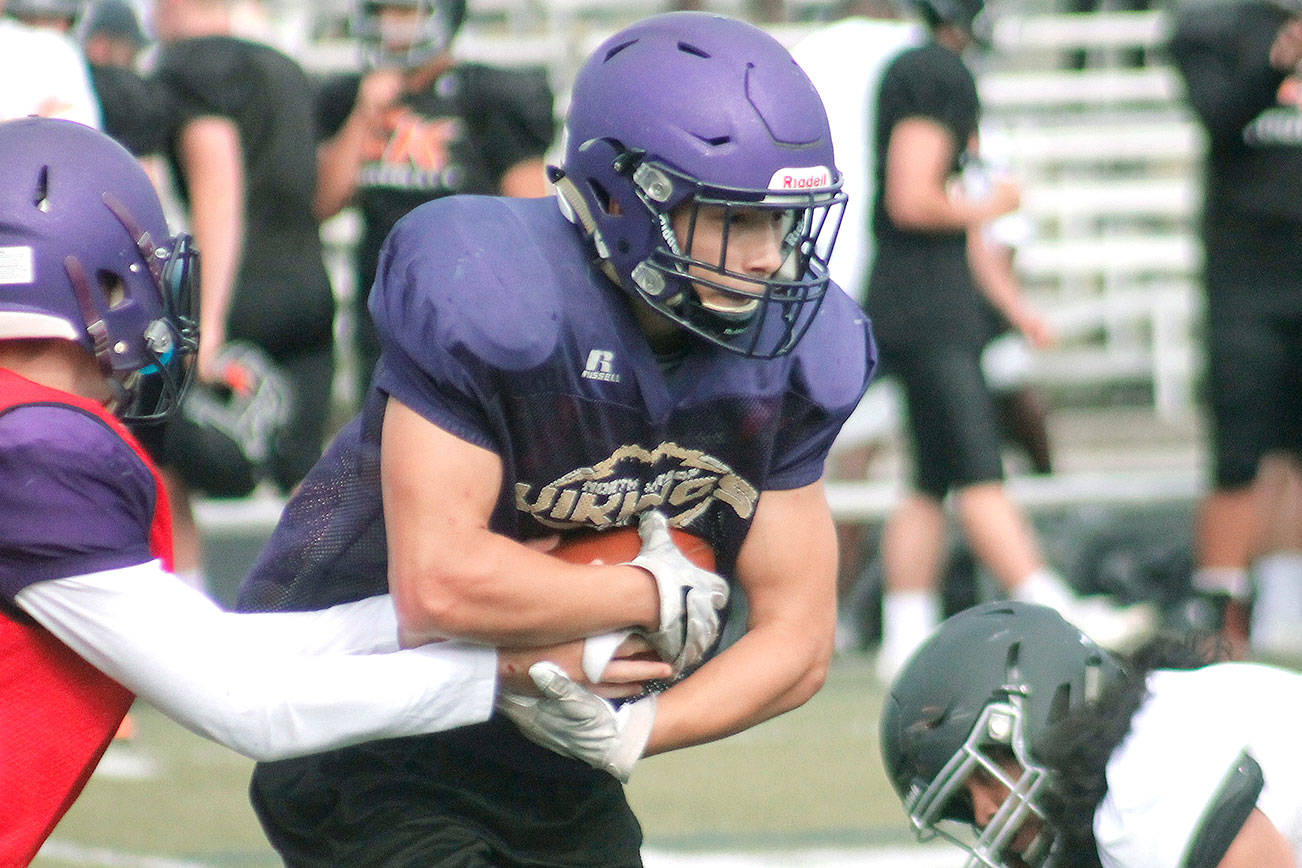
95 326
576 210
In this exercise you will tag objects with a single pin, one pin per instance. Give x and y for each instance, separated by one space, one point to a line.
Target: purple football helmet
687 110
85 255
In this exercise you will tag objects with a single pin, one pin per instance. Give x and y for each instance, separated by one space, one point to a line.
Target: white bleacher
1109 156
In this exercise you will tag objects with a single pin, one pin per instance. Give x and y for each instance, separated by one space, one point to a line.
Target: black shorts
1254 383
428 802
951 415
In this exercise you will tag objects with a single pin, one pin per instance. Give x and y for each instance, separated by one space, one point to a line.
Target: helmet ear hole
113 288
600 196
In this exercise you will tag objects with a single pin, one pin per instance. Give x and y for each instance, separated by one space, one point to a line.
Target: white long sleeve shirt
272 685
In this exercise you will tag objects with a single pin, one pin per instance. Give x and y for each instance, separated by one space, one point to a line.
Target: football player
667 340
97 326
43 72
1051 751
932 264
417 124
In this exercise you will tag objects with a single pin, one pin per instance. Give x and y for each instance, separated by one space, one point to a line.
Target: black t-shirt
921 287
283 300
137 111
1253 117
460 135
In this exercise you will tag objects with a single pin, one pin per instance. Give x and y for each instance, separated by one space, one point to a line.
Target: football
620 545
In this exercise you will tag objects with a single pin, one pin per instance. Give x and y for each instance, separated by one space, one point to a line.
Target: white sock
1046 588
1277 609
1223 580
908 617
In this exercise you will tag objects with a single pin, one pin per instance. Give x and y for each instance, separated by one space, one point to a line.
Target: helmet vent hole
1061 703
618 48
715 141
1012 661
115 291
41 198
688 48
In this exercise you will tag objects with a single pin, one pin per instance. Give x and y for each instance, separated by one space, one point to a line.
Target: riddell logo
811 178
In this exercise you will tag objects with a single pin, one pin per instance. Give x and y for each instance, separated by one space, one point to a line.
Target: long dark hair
1075 750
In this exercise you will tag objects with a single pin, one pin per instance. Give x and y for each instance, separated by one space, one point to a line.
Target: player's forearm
338 162
766 673
995 278
788 570
212 159
239 687
368 626
481 586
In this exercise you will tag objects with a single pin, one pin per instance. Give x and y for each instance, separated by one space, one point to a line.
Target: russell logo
601 366
809 178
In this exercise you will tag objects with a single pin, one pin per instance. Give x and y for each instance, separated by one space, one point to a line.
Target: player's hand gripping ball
691 593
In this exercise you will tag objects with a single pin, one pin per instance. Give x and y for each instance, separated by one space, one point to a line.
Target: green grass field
811 778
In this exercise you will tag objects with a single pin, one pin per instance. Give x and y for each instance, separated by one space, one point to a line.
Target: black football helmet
434 25
967 15
987 684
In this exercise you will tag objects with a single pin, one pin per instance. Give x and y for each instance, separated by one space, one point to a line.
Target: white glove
690 597
577 723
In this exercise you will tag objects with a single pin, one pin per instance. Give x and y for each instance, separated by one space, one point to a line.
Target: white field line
918 857
862 857
102 857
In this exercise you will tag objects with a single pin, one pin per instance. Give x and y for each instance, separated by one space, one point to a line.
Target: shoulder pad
837 357
1226 813
470 275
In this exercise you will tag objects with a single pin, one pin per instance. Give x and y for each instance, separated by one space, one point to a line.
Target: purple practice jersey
498 327
75 498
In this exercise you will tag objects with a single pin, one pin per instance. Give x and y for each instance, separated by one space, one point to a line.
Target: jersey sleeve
203 80
268 685
74 497
834 363
333 102
515 108
453 324
931 82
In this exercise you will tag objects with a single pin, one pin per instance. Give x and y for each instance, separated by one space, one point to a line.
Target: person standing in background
1240 63
418 124
43 73
845 59
137 111
242 150
932 262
